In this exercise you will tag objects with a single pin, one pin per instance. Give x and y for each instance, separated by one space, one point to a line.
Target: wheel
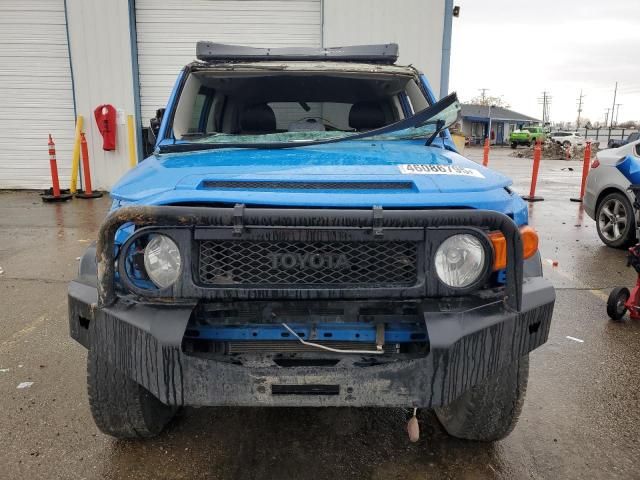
514 145
615 304
489 411
120 407
615 221
566 144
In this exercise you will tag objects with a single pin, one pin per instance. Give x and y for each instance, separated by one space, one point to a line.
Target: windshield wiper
439 128
420 119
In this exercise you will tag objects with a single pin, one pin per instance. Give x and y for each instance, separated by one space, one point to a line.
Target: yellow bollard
75 159
132 143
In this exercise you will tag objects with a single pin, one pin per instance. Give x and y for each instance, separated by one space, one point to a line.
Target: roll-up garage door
36 96
168 31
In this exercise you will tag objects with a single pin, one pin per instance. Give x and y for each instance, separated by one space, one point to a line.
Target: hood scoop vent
305 186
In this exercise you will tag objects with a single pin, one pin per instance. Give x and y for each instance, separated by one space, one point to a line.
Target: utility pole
489 127
483 101
545 101
579 109
613 108
483 95
617 111
606 117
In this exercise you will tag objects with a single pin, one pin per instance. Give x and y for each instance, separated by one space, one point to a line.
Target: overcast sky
518 49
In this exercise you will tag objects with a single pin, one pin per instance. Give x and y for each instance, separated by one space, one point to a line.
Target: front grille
284 185
295 263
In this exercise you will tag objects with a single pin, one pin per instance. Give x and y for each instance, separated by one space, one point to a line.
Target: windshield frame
165 135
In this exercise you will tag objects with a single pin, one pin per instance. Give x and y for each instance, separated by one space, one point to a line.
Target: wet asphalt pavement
580 420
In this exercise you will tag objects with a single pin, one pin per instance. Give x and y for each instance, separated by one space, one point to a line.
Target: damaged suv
305 234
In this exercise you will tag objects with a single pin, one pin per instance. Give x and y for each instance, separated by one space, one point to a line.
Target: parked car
305 234
619 142
607 200
567 139
526 136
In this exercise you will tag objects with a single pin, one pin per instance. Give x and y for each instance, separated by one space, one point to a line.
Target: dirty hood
425 176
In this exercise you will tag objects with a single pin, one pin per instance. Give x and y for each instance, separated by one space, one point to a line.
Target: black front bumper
465 348
142 334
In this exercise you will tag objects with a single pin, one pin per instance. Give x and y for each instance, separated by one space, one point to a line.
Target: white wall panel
168 32
415 25
36 97
101 52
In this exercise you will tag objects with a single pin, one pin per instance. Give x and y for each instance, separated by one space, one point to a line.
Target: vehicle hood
180 178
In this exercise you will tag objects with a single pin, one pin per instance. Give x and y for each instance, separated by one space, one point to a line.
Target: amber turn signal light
529 246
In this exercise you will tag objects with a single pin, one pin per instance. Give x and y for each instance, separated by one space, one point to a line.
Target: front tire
615 221
120 407
489 411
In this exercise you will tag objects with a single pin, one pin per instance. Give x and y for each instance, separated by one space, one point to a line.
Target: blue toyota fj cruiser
305 234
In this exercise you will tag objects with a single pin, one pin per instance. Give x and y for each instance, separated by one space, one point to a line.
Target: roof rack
217 52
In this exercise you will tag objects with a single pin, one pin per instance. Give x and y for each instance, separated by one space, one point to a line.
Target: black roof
497 113
219 52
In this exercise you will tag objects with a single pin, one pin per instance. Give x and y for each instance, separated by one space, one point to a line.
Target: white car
607 200
567 139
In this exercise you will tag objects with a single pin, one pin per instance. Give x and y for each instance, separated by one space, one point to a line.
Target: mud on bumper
464 350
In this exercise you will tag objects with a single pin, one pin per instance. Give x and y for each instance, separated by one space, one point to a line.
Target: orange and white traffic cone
88 192
54 194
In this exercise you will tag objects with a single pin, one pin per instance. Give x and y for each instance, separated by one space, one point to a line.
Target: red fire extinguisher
106 120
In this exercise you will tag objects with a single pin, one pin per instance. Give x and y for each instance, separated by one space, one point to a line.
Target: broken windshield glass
421 125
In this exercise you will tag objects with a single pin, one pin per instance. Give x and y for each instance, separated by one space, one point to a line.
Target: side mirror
154 123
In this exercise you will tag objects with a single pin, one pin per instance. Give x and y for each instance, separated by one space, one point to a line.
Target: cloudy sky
517 50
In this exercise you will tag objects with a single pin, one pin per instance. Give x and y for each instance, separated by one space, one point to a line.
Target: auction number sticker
427 169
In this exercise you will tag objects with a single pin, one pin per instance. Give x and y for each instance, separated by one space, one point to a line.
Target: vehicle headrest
366 116
258 118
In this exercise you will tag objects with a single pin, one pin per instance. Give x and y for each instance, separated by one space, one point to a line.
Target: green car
526 136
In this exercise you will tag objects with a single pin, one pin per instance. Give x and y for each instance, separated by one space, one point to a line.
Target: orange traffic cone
88 192
485 153
54 194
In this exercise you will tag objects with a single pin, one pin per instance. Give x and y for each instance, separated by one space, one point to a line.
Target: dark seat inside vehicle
366 116
257 119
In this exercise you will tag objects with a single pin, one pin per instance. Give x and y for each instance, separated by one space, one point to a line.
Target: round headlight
162 261
460 260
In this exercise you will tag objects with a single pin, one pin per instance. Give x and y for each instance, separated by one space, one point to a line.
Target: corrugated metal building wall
36 97
415 25
167 34
128 52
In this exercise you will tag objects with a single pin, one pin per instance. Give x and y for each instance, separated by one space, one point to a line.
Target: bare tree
489 100
628 124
